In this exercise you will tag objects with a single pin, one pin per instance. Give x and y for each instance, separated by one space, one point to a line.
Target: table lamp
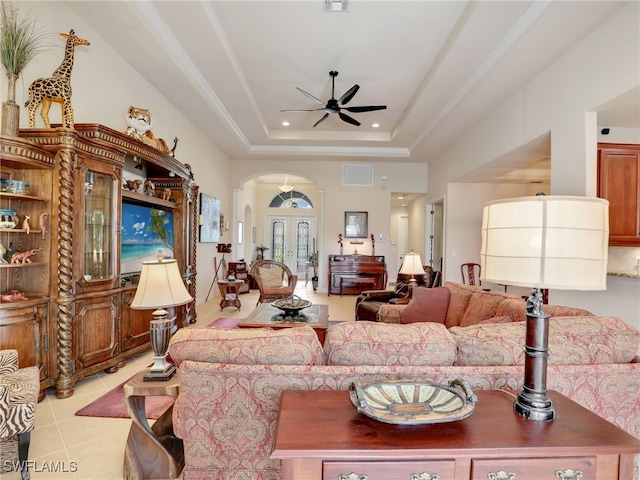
412 265
555 242
160 287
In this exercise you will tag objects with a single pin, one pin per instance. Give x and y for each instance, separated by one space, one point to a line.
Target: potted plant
261 249
20 42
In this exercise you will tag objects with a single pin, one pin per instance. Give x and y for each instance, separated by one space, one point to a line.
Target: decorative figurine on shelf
132 185
56 88
149 188
42 223
166 194
3 252
25 224
139 121
340 242
24 257
175 144
373 244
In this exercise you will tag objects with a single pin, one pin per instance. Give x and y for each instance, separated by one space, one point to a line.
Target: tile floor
84 448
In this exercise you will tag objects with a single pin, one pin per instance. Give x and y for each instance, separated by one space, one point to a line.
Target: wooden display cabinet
77 319
25 287
619 182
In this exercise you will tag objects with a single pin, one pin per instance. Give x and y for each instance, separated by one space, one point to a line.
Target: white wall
104 86
560 100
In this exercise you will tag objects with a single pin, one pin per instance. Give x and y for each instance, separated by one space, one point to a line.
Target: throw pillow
427 305
271 277
385 344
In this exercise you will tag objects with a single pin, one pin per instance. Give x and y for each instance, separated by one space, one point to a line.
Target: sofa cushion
427 305
517 309
459 301
572 341
372 343
482 305
260 346
496 319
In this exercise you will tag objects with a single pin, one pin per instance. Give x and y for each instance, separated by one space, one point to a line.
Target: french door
290 240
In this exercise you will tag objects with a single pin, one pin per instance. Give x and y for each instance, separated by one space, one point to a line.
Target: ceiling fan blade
310 110
369 108
348 95
310 96
324 117
349 119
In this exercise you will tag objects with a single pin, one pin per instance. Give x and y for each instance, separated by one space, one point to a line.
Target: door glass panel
278 230
303 235
98 228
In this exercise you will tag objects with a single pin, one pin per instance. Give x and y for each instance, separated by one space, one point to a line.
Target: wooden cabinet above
619 182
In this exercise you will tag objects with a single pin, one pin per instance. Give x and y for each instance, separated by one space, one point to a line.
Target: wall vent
357 175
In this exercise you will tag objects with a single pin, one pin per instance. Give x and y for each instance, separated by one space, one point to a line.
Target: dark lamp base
535 406
151 376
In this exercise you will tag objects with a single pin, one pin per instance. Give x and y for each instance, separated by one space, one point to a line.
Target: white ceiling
439 66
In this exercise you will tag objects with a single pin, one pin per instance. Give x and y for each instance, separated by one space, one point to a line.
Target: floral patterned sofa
232 380
456 304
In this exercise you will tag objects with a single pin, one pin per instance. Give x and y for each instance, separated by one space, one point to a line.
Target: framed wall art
356 224
209 219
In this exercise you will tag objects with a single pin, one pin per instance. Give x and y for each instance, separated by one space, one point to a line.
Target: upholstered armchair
368 302
274 279
19 389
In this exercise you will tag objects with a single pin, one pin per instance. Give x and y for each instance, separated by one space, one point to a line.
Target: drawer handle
501 475
425 476
352 476
569 474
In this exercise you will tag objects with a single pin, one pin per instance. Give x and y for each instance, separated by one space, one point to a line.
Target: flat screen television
145 230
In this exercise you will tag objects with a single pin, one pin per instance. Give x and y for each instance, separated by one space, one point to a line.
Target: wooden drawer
535 468
399 470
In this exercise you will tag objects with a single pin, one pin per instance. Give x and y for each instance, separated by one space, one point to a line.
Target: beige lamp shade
160 286
412 264
555 242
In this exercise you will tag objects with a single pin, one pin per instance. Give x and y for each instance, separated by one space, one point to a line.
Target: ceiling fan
335 106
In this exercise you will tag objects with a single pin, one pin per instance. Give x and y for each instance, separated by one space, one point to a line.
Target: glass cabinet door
98 226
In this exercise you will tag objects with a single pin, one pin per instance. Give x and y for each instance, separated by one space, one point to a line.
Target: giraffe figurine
56 88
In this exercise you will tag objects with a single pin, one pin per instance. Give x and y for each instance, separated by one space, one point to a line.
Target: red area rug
111 405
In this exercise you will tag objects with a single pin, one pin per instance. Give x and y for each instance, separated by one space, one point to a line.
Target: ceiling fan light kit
334 106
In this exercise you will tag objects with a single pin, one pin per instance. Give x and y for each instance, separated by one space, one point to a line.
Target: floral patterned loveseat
232 380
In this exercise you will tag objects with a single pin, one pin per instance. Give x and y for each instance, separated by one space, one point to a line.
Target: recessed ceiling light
335 5
375 125
285 124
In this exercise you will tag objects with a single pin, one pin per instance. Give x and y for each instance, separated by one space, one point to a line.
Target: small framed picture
356 224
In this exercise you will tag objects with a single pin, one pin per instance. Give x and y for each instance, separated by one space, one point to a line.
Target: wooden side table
321 436
230 292
151 452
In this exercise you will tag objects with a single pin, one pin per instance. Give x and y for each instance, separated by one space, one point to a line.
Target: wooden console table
151 452
321 436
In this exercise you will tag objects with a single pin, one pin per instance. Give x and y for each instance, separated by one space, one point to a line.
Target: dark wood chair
471 273
274 280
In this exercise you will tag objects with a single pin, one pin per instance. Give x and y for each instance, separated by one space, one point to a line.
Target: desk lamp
160 286
556 242
412 265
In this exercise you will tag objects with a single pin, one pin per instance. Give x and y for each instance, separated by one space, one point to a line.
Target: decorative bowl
291 306
408 402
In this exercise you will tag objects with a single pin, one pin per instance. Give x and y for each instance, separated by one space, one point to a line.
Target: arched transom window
292 199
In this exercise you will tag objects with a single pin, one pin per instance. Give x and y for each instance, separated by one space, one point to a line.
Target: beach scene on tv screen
145 230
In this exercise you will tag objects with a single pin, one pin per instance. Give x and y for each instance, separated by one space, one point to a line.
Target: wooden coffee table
263 316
